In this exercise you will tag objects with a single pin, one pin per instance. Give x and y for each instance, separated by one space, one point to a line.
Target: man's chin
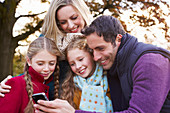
106 67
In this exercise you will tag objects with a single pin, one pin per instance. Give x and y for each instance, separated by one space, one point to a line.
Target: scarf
94 90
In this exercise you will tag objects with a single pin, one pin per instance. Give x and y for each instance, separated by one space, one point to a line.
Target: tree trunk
6 53
7 20
8 43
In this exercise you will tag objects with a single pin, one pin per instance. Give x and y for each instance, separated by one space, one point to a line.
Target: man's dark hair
106 26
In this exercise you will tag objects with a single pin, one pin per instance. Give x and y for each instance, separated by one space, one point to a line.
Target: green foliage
18 64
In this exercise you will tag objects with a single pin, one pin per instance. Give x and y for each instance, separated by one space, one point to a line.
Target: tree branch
31 31
31 15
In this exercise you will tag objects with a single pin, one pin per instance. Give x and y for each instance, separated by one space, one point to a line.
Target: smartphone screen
39 96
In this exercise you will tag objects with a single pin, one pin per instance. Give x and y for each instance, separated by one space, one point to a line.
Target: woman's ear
118 39
28 61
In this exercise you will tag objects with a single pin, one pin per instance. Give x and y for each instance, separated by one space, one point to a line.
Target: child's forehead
76 52
43 53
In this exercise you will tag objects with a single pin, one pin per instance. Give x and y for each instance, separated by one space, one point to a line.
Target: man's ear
118 39
28 61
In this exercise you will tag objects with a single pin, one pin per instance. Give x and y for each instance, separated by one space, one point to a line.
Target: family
86 65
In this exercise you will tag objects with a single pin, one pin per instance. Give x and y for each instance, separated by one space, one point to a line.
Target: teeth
81 71
74 29
103 61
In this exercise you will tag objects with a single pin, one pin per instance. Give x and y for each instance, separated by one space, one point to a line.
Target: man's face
104 52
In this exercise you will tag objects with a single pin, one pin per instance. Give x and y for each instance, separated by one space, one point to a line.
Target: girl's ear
28 61
118 39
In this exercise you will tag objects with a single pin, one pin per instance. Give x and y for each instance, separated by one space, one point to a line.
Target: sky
37 7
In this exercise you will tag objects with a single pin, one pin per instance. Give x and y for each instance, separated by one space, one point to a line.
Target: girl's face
70 19
44 63
81 62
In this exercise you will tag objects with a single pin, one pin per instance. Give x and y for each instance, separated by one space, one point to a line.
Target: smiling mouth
82 71
75 30
46 74
103 62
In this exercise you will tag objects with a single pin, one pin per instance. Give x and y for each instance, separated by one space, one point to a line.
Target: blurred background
21 21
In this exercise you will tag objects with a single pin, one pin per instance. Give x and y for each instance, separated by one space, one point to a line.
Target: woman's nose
70 24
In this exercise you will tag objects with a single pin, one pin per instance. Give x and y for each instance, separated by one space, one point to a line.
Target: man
138 73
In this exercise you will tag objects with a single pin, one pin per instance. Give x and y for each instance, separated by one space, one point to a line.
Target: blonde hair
78 41
50 28
35 47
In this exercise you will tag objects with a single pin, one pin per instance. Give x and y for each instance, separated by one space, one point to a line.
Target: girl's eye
72 64
81 59
52 63
40 63
90 50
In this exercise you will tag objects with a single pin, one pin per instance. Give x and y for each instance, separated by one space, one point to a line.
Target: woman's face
70 20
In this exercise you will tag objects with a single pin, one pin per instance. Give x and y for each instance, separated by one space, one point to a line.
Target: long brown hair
36 46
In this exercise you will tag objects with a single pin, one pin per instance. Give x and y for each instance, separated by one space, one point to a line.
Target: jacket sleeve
81 111
12 100
151 81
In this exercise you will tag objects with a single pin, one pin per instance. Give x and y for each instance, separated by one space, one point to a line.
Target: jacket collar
35 76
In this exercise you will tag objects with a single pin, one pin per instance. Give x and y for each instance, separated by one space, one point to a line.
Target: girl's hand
55 106
5 88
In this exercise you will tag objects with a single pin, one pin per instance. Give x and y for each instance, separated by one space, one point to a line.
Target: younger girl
41 62
92 92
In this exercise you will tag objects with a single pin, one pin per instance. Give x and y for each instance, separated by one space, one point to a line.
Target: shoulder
152 58
17 85
16 80
151 65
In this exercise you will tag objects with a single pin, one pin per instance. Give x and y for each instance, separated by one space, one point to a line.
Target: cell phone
39 96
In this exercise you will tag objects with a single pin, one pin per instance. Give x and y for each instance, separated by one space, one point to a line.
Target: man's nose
97 56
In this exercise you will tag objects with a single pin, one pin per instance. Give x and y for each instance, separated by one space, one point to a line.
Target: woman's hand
55 106
4 88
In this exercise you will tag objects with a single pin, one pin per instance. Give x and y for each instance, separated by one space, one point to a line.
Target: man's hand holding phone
39 96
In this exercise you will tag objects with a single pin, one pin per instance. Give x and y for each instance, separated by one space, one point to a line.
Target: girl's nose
46 68
78 65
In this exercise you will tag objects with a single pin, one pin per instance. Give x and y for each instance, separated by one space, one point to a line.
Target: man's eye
100 48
